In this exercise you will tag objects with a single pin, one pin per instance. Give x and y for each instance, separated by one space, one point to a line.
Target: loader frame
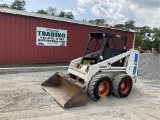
87 71
107 65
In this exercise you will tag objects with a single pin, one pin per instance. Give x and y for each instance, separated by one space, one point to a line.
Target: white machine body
106 67
87 71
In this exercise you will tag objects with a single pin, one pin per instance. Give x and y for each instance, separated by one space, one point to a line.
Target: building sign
51 37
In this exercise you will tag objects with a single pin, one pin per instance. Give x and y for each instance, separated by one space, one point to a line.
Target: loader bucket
65 90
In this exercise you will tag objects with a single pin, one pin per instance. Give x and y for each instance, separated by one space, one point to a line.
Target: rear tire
100 86
122 85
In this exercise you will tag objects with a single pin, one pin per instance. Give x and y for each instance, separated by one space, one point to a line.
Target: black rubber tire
93 86
117 81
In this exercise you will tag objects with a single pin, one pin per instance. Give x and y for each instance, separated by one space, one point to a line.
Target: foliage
138 40
145 29
157 33
156 42
51 11
4 5
119 26
42 12
62 14
84 20
69 15
146 44
129 25
100 22
18 5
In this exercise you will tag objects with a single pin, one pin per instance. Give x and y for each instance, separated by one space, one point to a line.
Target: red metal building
18 37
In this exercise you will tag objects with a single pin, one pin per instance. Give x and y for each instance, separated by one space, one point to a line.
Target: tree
129 25
156 45
4 5
51 11
119 26
91 21
84 20
18 5
100 22
156 32
62 14
69 15
138 40
156 42
42 12
145 29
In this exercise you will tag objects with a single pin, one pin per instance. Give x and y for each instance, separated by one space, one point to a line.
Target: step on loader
106 67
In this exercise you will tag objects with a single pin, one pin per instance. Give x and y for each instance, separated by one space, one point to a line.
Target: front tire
122 85
99 87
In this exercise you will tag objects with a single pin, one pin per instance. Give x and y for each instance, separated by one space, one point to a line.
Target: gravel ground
21 97
149 66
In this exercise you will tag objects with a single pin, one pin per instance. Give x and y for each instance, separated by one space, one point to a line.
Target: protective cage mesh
96 45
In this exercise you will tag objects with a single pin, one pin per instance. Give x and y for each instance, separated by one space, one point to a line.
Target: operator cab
102 46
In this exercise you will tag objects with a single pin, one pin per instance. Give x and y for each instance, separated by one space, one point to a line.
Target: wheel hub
103 89
125 85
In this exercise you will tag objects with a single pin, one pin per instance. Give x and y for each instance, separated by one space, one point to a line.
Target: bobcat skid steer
106 67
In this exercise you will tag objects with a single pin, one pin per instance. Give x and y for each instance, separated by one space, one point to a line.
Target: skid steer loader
106 67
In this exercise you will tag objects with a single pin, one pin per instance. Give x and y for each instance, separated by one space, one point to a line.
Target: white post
134 40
